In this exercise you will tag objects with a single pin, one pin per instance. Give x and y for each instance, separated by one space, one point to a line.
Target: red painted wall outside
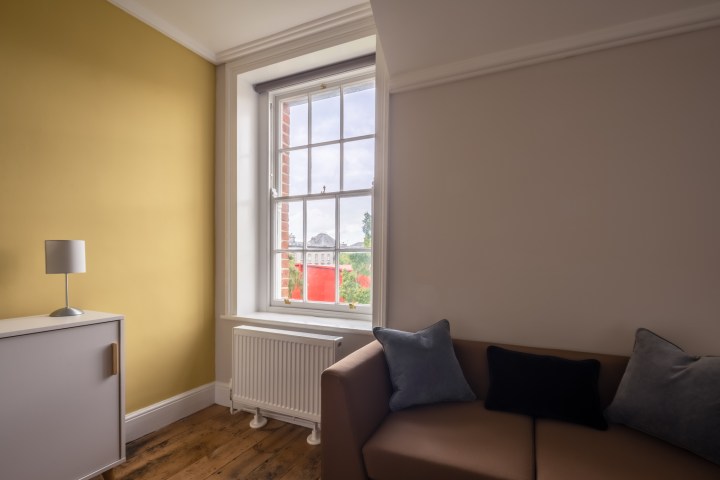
321 282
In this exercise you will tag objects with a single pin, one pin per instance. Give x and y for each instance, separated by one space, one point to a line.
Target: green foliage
360 262
367 229
295 278
350 289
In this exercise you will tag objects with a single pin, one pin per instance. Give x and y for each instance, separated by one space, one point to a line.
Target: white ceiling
211 27
418 35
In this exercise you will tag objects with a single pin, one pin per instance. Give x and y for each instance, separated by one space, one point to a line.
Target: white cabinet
62 404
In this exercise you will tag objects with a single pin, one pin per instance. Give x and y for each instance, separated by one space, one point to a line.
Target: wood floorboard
213 444
261 453
208 465
306 469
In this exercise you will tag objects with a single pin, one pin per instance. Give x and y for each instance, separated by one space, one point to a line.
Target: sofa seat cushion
568 451
451 440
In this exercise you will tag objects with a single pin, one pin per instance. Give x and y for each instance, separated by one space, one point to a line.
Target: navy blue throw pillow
545 386
423 366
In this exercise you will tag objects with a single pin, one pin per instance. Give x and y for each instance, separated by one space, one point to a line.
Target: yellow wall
106 135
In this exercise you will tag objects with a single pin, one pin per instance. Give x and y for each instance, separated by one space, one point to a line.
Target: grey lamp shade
64 256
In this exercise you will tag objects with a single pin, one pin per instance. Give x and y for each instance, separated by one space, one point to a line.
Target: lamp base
66 312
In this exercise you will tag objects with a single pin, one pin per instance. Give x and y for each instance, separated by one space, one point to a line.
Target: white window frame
275 98
240 280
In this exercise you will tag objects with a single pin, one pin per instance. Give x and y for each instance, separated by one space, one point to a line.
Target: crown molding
148 17
638 31
344 26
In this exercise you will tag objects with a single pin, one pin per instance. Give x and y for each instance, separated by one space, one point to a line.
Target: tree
351 290
367 229
295 278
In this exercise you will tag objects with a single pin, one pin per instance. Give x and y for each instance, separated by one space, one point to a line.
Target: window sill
324 324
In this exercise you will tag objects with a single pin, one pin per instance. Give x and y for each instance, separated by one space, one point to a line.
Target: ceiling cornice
345 25
656 27
349 24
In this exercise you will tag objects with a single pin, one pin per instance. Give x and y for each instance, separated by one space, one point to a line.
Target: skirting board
151 418
222 397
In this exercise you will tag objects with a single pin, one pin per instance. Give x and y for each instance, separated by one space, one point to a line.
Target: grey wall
563 204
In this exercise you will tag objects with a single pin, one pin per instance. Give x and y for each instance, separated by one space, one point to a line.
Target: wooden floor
214 444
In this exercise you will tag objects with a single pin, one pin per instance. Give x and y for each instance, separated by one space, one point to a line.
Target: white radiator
279 371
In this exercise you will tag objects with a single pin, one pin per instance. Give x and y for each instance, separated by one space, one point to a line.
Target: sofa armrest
355 400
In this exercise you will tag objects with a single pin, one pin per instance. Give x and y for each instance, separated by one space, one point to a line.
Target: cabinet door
59 403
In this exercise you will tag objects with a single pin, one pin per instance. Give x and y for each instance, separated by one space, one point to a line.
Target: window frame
239 228
269 158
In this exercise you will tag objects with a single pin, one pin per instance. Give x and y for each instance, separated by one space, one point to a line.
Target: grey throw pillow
423 366
671 395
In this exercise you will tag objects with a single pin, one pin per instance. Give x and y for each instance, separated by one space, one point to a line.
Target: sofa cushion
423 367
472 356
545 386
570 452
670 394
451 441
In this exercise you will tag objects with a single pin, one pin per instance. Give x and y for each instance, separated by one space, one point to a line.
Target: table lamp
65 256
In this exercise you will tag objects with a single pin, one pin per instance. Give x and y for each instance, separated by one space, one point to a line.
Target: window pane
356 278
321 235
356 222
293 173
288 276
359 168
326 116
321 223
325 169
289 228
294 122
359 109
321 276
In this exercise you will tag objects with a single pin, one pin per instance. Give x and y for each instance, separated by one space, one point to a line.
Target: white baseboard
222 394
151 418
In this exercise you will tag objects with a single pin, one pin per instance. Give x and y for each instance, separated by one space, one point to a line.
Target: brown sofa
363 439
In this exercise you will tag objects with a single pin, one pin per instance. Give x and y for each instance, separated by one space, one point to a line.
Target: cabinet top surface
11 327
